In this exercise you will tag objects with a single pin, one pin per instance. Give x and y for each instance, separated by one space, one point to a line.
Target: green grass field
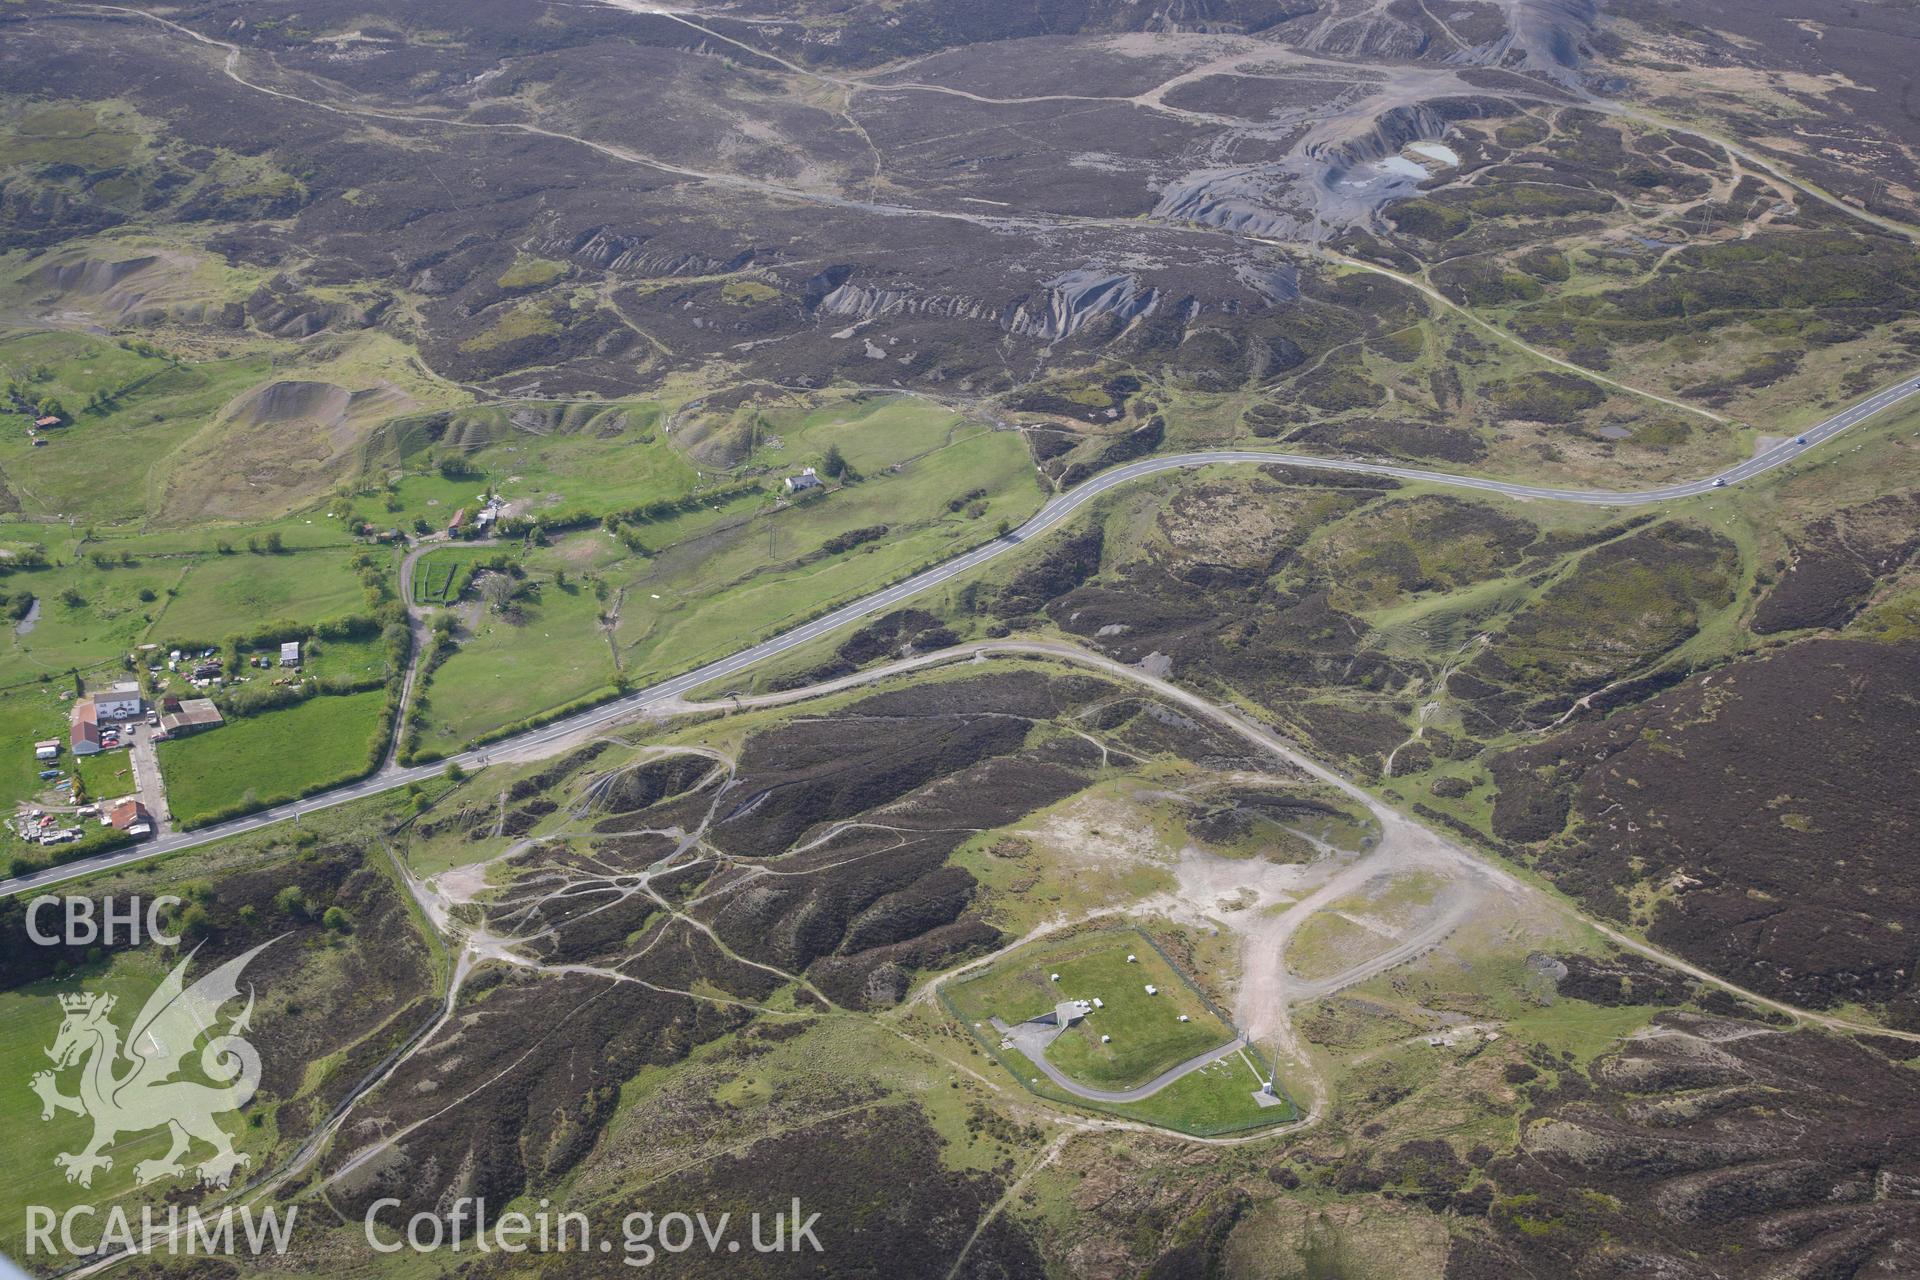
597 459
345 659
1216 1099
729 589
155 407
220 595
107 776
87 616
270 757
718 580
508 670
1147 1034
873 432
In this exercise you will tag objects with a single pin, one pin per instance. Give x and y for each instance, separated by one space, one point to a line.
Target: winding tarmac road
1032 1039
1049 517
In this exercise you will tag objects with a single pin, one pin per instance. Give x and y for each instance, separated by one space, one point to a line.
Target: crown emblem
82 1002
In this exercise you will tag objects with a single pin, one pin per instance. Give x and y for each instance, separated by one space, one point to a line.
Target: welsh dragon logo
132 1086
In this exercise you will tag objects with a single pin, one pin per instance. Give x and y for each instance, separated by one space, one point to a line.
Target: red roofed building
459 518
84 733
131 817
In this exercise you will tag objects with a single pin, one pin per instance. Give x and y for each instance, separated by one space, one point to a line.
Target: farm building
46 749
83 734
118 701
189 715
290 654
459 519
45 422
804 481
130 816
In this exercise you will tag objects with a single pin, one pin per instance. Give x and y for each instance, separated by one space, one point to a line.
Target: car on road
1719 482
1799 439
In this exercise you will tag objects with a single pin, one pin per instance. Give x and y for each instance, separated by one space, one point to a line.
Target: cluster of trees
23 557
293 901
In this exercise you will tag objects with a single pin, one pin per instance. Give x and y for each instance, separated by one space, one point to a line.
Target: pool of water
1435 151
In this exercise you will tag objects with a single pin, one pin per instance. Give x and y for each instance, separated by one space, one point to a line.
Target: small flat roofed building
290 654
46 422
46 749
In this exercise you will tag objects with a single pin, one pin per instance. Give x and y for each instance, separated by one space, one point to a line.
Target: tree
454 772
336 920
291 901
500 591
834 465
195 922
275 544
